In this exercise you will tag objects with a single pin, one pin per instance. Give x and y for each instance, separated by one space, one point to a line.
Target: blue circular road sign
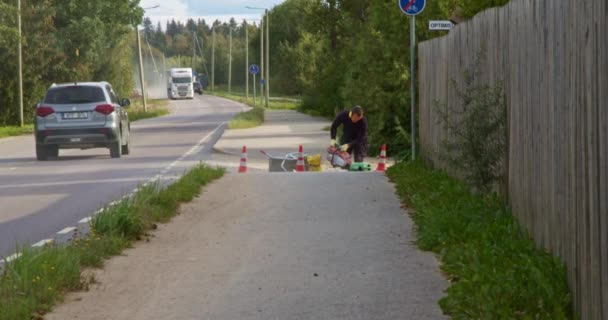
254 69
412 7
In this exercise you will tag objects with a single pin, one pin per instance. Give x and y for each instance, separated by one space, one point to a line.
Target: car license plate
75 115
75 140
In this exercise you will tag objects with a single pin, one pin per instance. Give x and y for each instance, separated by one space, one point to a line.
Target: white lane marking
13 168
12 257
66 230
42 243
66 183
86 220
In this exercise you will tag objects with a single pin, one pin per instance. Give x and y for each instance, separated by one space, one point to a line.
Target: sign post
412 8
254 69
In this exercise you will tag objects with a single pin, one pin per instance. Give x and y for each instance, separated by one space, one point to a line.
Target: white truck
179 83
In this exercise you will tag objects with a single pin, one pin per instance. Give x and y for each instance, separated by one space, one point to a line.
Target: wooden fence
552 57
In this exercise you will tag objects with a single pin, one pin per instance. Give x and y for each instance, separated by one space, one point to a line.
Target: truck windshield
74 94
182 80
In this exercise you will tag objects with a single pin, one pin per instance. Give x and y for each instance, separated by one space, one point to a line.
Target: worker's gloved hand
332 142
344 147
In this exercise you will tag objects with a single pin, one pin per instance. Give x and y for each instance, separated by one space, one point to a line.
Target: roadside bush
477 127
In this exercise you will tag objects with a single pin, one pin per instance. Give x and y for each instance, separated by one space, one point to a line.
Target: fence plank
601 40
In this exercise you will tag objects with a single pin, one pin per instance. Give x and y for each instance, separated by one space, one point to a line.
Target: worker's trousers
358 151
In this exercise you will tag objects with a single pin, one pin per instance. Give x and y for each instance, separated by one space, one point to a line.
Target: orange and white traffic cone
300 164
243 166
382 164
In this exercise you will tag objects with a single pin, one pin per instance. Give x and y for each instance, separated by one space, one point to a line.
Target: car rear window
74 94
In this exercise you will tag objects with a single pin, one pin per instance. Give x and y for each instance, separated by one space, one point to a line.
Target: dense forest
332 53
64 40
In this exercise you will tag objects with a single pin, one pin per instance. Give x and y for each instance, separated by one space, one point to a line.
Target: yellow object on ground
314 163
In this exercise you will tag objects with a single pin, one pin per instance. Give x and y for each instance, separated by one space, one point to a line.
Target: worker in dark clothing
354 139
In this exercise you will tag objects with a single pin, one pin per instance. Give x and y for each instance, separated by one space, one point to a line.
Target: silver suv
82 116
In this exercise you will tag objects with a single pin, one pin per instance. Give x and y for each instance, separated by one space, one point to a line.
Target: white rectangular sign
440 25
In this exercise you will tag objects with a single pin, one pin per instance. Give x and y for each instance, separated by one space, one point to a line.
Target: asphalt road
40 199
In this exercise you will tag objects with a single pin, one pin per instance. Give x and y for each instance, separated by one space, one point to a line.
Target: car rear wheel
43 153
116 149
126 149
53 151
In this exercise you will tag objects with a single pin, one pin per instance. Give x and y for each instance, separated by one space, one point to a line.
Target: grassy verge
247 119
32 284
494 268
156 108
16 131
278 103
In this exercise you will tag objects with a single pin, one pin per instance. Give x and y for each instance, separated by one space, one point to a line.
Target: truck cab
180 83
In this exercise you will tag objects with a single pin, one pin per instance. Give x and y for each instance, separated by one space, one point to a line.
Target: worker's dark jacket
355 134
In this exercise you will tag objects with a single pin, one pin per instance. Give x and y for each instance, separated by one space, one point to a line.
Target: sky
210 10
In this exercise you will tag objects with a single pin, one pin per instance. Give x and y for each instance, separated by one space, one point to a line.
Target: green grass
247 119
156 108
32 284
16 131
254 117
283 105
279 103
495 270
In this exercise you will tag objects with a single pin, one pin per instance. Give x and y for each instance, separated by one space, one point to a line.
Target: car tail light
105 109
44 111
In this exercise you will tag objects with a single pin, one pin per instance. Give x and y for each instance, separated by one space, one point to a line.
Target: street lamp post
213 61
193 50
261 63
141 70
267 58
230 65
247 61
265 73
141 64
20 65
